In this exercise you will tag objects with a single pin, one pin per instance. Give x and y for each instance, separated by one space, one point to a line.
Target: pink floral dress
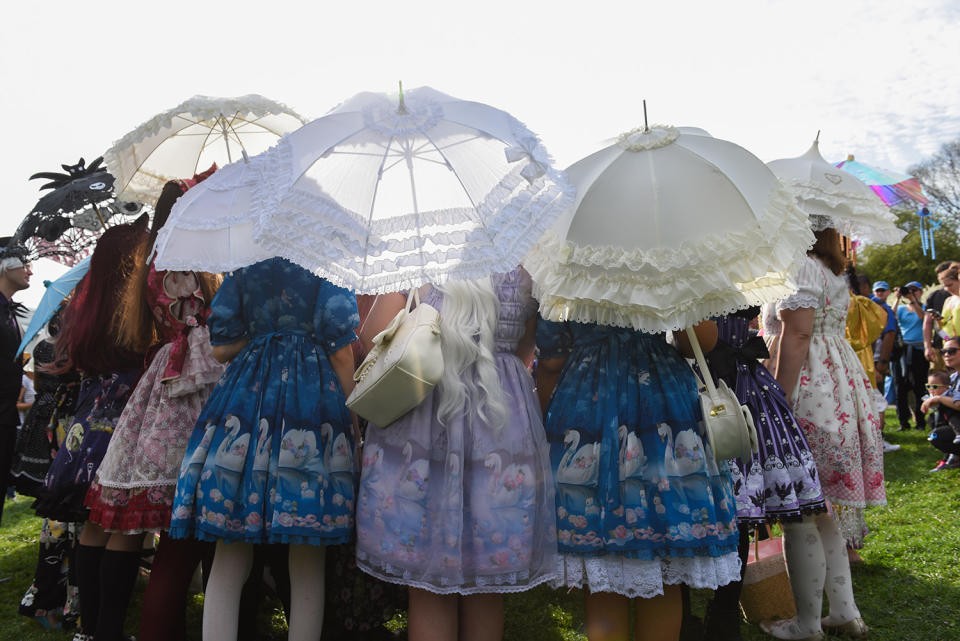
834 402
135 485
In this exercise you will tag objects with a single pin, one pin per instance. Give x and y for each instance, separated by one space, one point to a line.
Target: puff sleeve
554 340
335 317
810 283
226 322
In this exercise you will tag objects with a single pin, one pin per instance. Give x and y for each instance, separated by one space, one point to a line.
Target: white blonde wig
468 320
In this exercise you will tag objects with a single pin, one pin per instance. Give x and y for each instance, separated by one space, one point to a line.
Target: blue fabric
271 457
911 326
891 325
633 475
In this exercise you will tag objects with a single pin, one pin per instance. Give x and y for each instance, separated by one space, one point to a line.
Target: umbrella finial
817 139
646 127
849 157
401 106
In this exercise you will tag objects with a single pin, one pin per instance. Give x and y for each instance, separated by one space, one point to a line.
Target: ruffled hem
510 582
130 512
64 504
862 216
656 290
635 578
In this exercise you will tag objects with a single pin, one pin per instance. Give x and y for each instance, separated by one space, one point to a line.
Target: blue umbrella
56 292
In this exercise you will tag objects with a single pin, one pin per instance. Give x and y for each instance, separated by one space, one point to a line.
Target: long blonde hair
468 321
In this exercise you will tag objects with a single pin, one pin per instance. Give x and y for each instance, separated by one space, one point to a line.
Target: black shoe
721 624
904 428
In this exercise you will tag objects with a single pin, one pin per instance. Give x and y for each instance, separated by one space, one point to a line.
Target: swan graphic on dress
681 462
338 460
300 461
191 467
578 466
261 458
374 486
632 459
510 491
230 458
405 514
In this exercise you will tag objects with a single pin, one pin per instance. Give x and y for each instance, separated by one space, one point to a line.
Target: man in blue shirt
883 348
913 363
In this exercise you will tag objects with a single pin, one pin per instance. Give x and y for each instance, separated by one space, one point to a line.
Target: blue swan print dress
640 501
271 456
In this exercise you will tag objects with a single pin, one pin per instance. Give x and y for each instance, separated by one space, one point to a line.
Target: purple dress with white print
463 508
780 481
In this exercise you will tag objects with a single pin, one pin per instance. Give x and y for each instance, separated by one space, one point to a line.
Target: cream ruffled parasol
668 228
836 198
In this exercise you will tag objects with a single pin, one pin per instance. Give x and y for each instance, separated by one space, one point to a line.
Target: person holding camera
913 364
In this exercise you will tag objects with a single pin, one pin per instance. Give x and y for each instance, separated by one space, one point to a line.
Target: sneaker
951 463
956 440
889 447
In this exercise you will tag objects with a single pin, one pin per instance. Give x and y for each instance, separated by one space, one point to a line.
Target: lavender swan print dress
462 508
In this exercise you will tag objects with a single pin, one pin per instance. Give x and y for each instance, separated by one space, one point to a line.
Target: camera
904 291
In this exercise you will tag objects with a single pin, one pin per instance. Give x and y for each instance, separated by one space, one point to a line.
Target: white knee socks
306 592
221 602
806 567
839 585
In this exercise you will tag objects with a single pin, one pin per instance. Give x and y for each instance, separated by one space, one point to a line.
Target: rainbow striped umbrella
893 188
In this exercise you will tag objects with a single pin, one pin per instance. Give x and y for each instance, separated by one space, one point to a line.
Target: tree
899 264
940 177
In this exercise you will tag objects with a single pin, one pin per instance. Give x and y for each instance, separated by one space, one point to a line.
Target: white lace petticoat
641 578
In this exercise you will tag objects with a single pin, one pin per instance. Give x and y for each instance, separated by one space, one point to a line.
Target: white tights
231 566
816 555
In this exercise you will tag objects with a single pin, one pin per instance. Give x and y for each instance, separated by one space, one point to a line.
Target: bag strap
704 370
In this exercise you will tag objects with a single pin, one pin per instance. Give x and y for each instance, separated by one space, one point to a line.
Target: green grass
908 588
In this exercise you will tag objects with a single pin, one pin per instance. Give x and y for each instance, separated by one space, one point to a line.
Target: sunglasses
934 385
950 351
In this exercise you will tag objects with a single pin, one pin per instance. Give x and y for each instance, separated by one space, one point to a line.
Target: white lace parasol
187 139
669 228
379 195
836 198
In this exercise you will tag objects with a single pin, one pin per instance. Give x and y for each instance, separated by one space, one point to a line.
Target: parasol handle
96 210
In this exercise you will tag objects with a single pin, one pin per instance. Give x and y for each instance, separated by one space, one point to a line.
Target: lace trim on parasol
645 139
612 286
203 107
855 215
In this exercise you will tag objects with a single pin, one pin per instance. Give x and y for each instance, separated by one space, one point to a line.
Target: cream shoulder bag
728 424
404 364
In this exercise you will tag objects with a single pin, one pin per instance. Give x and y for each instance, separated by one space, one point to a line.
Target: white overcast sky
879 78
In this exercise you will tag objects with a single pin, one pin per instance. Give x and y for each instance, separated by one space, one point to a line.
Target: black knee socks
118 574
87 562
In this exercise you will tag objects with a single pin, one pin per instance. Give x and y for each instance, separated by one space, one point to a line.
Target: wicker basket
766 590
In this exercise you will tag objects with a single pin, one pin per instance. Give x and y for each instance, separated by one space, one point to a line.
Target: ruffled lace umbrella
192 136
668 228
835 198
380 195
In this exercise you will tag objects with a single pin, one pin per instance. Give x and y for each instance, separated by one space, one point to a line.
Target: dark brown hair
940 376
137 328
828 250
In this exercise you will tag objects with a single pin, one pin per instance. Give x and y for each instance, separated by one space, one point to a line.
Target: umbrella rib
373 202
459 180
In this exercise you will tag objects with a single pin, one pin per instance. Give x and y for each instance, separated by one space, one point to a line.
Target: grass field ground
908 587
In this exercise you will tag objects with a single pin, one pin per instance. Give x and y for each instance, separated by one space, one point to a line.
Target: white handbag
728 424
404 364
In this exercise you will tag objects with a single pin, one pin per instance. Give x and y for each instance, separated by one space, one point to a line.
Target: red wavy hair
88 340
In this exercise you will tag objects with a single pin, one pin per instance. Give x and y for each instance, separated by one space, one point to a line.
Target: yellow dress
951 316
865 323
